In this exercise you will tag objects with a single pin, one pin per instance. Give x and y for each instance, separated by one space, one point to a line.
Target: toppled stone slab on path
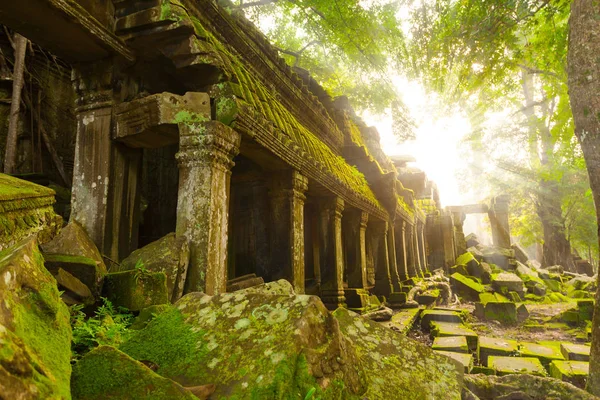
136 289
574 372
457 344
257 345
544 353
506 282
26 210
35 333
107 373
488 346
403 320
429 316
169 254
505 312
521 385
516 365
465 360
465 287
441 329
575 352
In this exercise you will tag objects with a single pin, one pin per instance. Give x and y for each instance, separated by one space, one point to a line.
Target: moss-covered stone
575 372
505 312
516 365
465 360
440 329
586 309
168 254
488 346
428 316
404 320
35 334
545 354
465 287
457 344
575 352
86 269
506 282
136 289
107 373
478 369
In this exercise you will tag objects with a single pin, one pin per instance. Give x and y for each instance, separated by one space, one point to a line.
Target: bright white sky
436 144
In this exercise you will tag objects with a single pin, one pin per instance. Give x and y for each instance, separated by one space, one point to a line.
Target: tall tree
584 92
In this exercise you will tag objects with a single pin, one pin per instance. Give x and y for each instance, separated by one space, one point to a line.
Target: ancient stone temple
189 122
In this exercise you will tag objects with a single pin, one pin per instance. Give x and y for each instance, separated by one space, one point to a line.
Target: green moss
136 289
189 116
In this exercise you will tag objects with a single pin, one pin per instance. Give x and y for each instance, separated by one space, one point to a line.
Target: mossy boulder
35 334
169 254
384 355
136 289
107 373
523 387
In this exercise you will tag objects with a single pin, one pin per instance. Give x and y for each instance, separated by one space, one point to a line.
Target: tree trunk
584 93
10 156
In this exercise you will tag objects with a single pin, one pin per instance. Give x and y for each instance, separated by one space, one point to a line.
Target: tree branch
538 71
297 54
255 4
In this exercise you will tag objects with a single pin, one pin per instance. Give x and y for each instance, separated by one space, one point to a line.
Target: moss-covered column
423 247
287 198
416 251
355 226
402 250
383 277
411 269
447 228
393 257
206 151
331 252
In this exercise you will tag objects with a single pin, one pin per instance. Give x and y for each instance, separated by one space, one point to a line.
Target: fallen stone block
503 258
76 292
107 373
441 329
472 240
544 353
478 369
488 346
516 365
465 360
574 372
382 314
575 352
403 320
279 287
86 269
244 282
586 309
506 282
136 290
457 344
35 333
429 316
482 271
505 312
169 254
465 287
522 313
428 297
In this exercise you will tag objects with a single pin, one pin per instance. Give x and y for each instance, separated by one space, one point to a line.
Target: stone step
516 365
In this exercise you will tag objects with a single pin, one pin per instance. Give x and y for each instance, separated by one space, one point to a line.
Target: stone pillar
401 250
356 255
459 236
205 157
392 255
331 252
416 251
423 247
498 215
287 198
383 277
447 227
411 266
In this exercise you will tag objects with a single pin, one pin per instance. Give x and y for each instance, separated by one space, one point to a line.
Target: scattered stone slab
520 253
440 329
428 297
487 296
575 352
136 290
482 271
457 344
472 240
519 386
489 346
86 269
503 258
575 372
505 312
74 241
465 287
35 333
244 282
404 320
506 282
522 313
544 353
428 316
382 314
516 365
107 373
586 309
466 360
397 299
169 254
74 289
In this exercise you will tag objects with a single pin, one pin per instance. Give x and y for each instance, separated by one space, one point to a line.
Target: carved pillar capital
334 205
207 143
288 183
364 220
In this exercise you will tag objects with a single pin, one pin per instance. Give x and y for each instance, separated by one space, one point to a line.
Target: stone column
393 257
498 215
205 157
447 228
356 255
459 235
423 247
416 251
383 277
287 198
402 250
331 252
